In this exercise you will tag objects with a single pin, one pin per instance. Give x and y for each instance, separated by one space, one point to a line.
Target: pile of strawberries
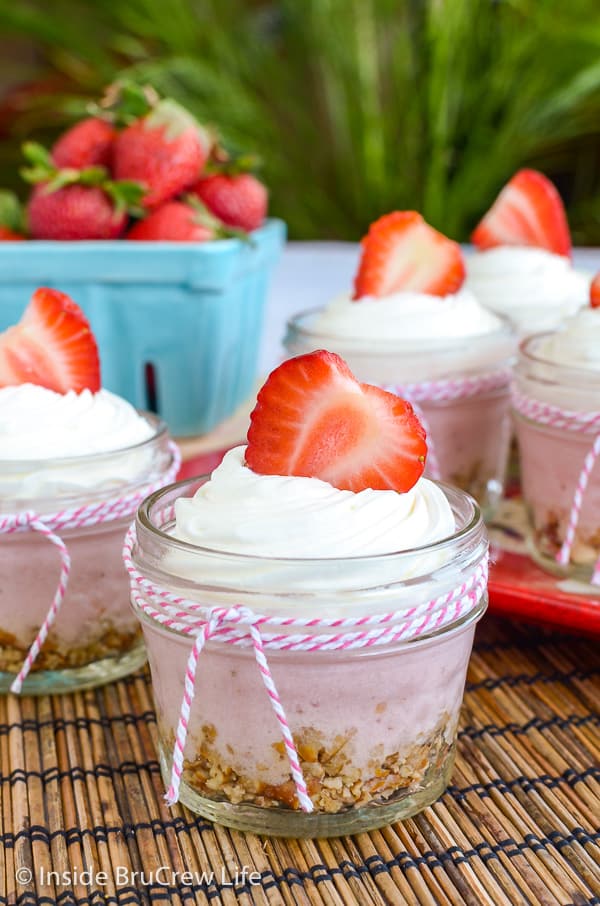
142 168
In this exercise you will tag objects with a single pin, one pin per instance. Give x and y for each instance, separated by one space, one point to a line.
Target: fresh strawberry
313 418
12 218
52 345
76 204
173 221
595 291
88 143
528 211
184 220
75 212
403 253
239 200
165 150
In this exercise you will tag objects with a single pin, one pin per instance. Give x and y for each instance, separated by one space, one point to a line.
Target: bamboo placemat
81 789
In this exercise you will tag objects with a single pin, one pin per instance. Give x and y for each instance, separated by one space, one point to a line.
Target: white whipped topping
406 316
533 287
577 343
327 540
288 516
39 427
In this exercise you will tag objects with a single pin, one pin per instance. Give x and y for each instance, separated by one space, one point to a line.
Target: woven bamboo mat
81 790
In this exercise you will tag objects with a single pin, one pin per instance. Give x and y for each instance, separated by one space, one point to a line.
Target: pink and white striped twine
445 390
568 420
242 626
50 525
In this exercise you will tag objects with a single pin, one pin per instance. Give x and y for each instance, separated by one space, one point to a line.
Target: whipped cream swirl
533 287
40 430
577 343
406 316
292 544
288 516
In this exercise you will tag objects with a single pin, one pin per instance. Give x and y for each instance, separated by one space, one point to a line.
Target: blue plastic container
178 324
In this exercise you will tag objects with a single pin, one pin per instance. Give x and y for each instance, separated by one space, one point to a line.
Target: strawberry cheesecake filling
75 460
413 327
522 267
323 516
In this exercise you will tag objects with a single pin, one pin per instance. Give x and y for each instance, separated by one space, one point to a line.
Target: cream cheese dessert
522 267
561 369
325 514
66 446
411 322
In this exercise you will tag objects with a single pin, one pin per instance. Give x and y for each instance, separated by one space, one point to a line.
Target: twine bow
50 525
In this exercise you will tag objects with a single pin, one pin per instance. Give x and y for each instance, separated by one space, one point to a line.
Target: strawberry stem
124 102
12 215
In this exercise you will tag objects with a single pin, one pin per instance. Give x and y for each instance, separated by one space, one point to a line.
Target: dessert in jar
411 326
522 267
556 401
75 462
309 612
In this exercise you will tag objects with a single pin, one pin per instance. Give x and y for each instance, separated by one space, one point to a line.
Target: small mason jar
552 456
374 722
460 387
94 638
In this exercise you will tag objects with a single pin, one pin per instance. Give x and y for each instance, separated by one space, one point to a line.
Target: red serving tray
518 588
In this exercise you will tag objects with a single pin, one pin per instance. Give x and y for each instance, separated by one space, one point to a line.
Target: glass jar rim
160 431
144 522
506 331
577 375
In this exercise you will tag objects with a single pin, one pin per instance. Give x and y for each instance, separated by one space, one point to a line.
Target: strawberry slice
313 418
52 345
595 291
528 211
402 252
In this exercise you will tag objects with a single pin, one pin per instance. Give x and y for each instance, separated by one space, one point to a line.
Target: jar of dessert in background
77 507
313 716
556 405
449 356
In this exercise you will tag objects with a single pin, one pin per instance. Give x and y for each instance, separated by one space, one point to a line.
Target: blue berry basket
178 324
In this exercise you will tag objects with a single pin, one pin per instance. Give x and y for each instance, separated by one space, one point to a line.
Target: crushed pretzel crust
55 655
549 539
334 783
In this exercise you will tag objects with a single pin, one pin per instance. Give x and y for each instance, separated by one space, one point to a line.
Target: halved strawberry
595 291
313 418
528 211
52 345
402 252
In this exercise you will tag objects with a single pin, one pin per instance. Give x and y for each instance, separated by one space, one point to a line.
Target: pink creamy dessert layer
551 463
471 438
374 719
95 611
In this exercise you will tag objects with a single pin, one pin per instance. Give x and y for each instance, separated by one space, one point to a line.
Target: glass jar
95 638
469 431
374 724
552 457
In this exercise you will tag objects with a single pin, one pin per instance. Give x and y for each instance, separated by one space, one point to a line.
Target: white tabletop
311 273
